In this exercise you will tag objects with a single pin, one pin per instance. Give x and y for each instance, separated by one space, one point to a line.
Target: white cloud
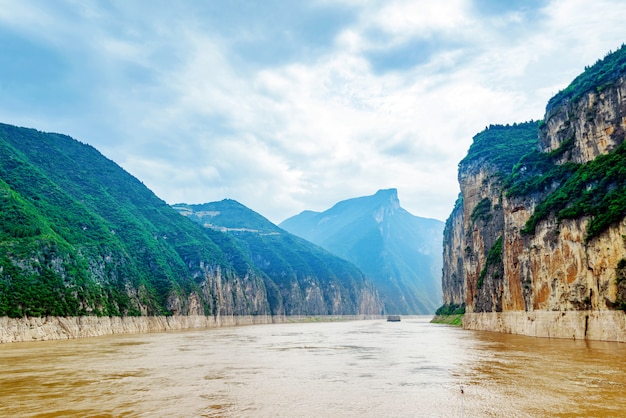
408 18
164 92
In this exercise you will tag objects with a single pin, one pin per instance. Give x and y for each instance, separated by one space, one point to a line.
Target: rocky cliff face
547 233
473 273
590 126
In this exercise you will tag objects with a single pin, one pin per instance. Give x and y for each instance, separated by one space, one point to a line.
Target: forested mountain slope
79 235
309 278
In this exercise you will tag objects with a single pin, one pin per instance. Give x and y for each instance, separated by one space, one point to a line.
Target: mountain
80 236
535 243
308 278
400 252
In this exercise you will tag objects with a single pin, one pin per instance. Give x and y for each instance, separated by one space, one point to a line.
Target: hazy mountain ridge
400 252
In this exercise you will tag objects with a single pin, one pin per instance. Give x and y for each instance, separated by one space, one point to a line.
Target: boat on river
393 318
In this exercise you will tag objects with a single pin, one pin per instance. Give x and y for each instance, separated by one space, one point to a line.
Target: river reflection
338 369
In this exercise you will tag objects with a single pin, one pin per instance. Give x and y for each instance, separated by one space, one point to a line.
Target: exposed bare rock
555 278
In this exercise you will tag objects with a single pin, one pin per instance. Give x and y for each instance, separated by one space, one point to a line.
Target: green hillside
291 262
79 235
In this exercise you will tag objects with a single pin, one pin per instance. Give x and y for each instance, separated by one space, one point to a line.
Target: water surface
339 369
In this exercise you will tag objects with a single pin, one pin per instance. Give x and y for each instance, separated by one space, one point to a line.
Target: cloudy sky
286 105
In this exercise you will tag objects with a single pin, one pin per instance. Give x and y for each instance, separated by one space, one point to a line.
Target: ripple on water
363 368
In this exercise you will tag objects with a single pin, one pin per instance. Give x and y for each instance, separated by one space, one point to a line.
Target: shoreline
576 325
64 328
453 319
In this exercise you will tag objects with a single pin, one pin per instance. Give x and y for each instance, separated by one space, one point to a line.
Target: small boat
393 318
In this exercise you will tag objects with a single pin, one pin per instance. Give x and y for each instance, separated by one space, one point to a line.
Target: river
334 369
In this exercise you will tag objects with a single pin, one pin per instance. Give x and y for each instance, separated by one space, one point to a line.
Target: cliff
537 237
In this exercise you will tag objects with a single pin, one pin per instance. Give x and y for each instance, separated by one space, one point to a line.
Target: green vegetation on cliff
451 309
482 211
502 145
596 189
493 262
620 282
456 320
451 314
598 77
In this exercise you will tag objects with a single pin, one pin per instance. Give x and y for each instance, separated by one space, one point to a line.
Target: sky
292 105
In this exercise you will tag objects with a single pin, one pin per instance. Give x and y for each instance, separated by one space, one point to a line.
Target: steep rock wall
555 280
453 282
590 126
555 269
222 295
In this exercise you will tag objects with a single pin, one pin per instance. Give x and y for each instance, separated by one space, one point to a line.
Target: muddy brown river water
335 369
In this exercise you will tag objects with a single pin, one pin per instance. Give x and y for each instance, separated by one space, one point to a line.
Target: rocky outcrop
590 126
526 257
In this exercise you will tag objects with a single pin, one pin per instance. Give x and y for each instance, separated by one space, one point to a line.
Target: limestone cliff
540 226
474 235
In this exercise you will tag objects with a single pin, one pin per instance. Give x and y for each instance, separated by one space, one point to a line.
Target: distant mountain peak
388 196
392 192
388 203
